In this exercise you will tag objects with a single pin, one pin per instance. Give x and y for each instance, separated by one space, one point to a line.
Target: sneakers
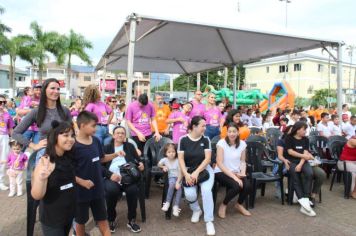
308 213
210 229
3 187
165 206
11 194
195 216
133 227
112 226
176 211
19 194
304 202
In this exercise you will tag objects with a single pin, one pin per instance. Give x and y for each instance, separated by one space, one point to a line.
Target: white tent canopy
149 44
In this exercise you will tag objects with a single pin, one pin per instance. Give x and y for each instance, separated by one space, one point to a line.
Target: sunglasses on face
114 101
2 102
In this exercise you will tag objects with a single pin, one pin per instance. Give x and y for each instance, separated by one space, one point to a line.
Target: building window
267 69
320 68
87 78
333 70
283 69
310 90
297 67
253 85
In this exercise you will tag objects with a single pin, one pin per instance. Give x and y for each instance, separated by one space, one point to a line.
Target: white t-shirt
256 121
323 128
335 129
348 113
232 156
173 166
349 130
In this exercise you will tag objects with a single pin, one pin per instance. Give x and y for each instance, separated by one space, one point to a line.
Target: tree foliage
322 97
214 78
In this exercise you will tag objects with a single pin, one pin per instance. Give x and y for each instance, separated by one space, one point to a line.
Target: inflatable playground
280 96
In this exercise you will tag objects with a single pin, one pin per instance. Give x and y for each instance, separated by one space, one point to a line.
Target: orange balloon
244 132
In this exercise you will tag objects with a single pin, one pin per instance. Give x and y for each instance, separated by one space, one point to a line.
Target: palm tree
42 43
3 28
73 45
15 47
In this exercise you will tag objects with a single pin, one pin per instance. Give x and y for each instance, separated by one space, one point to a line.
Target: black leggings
302 185
140 145
233 188
112 192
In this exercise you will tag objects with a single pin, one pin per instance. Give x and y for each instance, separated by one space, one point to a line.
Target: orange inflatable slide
280 96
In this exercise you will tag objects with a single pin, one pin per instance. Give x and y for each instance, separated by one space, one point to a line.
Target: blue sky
99 21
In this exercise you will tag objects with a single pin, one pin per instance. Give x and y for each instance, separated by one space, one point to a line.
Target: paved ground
335 216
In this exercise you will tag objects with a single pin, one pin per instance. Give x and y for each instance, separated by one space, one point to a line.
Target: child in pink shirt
16 163
180 120
6 126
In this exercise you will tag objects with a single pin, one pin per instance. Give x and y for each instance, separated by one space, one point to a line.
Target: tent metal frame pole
339 79
130 57
234 92
103 82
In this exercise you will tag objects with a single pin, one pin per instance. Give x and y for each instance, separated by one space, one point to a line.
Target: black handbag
130 174
202 177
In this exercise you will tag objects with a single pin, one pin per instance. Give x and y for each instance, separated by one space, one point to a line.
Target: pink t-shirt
16 162
179 129
197 110
101 110
140 117
213 116
28 103
6 123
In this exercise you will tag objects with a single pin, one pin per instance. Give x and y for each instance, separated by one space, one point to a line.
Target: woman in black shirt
194 151
297 146
54 181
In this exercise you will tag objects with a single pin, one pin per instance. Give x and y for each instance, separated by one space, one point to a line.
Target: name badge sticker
202 144
67 186
95 159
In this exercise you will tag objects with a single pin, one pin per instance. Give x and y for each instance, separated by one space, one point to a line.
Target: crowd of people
84 150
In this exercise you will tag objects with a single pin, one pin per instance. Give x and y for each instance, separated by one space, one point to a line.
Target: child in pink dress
16 163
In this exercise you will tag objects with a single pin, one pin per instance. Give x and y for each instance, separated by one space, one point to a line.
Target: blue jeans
172 185
33 136
206 187
212 131
102 133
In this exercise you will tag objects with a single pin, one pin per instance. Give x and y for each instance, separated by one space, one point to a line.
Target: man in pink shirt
198 106
139 118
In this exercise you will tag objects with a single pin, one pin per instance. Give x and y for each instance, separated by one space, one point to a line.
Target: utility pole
286 25
198 81
226 71
350 48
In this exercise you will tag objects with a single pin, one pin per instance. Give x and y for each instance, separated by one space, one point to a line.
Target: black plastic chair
314 133
257 138
150 153
334 138
273 135
213 142
336 148
255 153
255 130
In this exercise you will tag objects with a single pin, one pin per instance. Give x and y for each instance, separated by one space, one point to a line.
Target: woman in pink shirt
92 103
213 117
180 121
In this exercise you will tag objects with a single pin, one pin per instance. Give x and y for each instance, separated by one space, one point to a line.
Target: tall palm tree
42 43
73 45
3 28
15 47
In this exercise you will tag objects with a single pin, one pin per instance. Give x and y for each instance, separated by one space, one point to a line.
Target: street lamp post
350 48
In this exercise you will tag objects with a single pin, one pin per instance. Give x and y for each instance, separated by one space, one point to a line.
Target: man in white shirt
257 120
322 127
294 118
247 118
334 125
345 111
350 128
